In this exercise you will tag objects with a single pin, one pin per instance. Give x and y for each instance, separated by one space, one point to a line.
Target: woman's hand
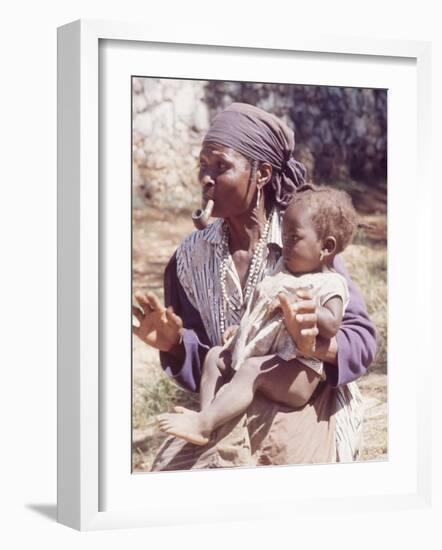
300 319
158 327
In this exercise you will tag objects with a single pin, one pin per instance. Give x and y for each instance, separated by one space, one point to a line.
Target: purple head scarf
260 136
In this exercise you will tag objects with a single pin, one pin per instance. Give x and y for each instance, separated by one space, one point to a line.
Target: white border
78 433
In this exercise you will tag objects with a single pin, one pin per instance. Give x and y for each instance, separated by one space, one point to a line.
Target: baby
318 224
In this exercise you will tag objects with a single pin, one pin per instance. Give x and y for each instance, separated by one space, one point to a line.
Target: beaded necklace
254 270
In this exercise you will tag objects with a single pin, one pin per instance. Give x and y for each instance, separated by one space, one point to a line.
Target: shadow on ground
48 511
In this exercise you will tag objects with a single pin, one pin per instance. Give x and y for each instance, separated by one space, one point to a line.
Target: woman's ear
328 246
264 174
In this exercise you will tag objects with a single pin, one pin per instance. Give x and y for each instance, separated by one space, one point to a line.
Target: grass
155 398
366 260
159 395
367 264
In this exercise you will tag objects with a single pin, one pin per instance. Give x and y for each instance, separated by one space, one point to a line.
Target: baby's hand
230 333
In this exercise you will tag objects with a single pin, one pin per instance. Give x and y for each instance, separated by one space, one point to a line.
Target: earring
321 255
258 197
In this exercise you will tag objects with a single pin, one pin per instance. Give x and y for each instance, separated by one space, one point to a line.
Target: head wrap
260 136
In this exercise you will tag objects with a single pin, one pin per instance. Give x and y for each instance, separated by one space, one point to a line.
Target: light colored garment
199 259
198 266
268 434
261 332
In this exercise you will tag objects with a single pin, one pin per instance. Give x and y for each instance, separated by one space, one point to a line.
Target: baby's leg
234 399
288 382
292 383
214 369
236 396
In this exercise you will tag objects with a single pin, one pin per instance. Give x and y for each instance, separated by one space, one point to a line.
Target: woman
247 168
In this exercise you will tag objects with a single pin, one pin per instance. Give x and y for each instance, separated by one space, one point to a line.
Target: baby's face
301 247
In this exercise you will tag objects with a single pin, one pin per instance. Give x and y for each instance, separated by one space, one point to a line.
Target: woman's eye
290 239
223 166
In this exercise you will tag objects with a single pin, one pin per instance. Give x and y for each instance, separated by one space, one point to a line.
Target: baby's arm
329 317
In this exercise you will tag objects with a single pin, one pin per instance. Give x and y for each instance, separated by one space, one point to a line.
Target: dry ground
155 237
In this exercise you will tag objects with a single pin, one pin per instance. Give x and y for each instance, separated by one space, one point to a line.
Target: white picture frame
80 441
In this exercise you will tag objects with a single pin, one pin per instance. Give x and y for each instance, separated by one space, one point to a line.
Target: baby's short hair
331 210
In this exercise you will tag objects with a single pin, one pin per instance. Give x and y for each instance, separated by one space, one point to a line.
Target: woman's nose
207 180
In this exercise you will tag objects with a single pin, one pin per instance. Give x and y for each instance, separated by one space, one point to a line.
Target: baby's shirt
262 333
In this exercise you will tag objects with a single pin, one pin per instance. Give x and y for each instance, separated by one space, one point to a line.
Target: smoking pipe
200 216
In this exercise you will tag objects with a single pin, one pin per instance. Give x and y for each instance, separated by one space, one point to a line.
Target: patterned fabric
325 431
348 417
198 266
269 434
261 333
198 261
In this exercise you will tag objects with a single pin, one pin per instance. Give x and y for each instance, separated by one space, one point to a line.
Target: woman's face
225 177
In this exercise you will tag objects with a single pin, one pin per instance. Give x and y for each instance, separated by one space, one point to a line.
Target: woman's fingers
150 304
141 298
148 301
173 319
158 327
286 306
136 312
300 318
153 302
304 306
305 293
307 318
273 308
310 331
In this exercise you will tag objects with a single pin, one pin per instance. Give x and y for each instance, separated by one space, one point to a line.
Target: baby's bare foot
179 409
187 425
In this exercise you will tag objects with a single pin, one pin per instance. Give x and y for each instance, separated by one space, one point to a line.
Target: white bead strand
253 274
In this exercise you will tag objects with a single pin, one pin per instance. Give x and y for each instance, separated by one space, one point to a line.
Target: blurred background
341 137
341 134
